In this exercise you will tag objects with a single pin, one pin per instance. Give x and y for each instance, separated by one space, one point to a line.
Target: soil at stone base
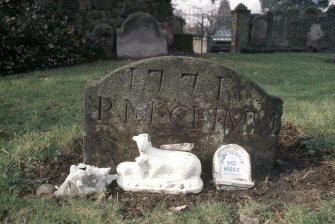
297 177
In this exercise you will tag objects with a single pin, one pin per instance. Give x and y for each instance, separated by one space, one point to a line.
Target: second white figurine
162 171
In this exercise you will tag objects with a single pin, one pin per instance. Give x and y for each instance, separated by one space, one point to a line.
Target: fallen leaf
179 208
278 216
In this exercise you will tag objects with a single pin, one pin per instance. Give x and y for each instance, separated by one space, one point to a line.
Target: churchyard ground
41 129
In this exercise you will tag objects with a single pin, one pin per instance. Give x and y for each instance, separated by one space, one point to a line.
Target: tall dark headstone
176 100
240 28
259 32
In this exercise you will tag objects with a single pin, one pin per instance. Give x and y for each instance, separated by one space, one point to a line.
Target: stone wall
292 30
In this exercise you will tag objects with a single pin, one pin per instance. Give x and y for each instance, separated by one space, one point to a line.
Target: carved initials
160 74
195 79
101 102
216 110
131 77
139 117
246 119
175 110
219 88
194 116
270 125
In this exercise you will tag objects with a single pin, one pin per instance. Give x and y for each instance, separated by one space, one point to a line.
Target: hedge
33 38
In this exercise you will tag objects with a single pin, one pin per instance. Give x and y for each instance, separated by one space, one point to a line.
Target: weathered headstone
278 29
177 100
314 35
232 168
259 31
104 34
140 36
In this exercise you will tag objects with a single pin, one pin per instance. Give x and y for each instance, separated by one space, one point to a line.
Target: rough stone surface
45 190
140 36
102 4
177 100
45 3
70 4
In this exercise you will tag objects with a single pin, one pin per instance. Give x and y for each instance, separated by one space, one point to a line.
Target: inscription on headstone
232 168
179 99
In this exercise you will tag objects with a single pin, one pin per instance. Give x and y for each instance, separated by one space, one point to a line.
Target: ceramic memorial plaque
179 100
232 168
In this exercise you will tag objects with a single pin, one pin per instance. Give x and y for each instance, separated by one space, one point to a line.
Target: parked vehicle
221 40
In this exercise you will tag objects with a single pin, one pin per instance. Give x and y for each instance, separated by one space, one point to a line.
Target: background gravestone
176 100
140 36
259 32
278 29
240 27
104 34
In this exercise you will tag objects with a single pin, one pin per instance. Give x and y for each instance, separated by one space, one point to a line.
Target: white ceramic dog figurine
157 170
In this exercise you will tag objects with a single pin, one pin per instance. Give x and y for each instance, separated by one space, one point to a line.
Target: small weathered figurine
157 170
85 180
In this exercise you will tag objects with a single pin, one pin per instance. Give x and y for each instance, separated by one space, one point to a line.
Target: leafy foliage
32 38
224 14
164 10
310 144
220 18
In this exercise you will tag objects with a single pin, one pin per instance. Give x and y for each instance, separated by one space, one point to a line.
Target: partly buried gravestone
177 100
140 37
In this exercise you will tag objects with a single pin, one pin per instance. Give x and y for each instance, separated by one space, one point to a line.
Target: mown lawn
41 117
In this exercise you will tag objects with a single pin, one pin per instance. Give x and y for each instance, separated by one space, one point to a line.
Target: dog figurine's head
143 141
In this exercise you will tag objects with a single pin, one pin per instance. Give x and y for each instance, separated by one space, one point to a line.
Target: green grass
41 116
51 211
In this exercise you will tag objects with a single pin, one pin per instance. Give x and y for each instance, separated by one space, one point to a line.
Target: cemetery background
42 125
62 33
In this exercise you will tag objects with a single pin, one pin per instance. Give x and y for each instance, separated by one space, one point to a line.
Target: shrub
313 11
32 38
